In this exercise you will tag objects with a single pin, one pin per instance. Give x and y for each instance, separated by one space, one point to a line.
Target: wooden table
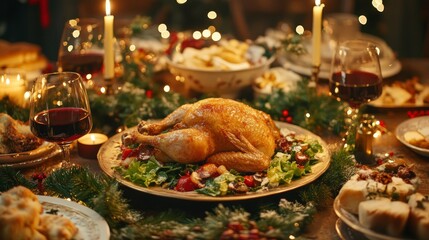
323 226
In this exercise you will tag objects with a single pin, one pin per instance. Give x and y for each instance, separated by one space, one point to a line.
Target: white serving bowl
221 68
412 125
223 83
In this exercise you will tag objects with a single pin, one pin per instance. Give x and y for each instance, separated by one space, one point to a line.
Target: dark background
403 24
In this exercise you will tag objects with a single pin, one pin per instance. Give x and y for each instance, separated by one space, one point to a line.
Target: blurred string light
362 19
299 29
206 33
378 4
181 1
212 15
166 88
210 32
197 35
162 28
216 36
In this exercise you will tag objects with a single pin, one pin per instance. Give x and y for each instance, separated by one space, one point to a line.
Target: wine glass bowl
59 109
356 73
356 79
81 47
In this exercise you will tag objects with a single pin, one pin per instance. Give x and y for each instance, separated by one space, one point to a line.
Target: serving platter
44 148
353 228
44 152
109 157
34 161
90 224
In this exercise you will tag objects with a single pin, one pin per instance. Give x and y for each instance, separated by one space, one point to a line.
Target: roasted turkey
219 131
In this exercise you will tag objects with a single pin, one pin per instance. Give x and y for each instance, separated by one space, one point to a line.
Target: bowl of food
222 69
277 78
414 133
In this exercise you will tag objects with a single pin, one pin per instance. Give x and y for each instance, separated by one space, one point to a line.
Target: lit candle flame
317 2
108 7
92 139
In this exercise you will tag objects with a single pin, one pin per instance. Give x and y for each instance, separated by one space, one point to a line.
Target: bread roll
56 227
21 218
384 216
19 214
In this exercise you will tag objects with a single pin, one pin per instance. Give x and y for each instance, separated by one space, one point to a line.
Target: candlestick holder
104 86
315 70
109 86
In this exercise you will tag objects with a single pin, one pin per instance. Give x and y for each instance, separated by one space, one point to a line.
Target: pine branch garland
75 183
110 203
323 190
10 178
15 111
305 106
101 193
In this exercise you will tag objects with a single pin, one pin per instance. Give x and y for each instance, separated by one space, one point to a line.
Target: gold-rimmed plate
14 158
108 158
90 224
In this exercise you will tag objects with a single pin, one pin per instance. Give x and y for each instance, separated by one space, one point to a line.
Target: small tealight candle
88 145
13 86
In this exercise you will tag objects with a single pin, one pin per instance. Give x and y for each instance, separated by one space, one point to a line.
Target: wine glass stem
65 150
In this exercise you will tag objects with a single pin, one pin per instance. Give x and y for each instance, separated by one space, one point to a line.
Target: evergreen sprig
341 168
10 178
74 183
13 110
306 107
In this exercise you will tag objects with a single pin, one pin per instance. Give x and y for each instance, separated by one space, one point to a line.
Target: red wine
356 87
61 125
88 63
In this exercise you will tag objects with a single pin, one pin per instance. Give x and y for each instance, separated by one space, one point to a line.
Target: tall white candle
317 31
109 57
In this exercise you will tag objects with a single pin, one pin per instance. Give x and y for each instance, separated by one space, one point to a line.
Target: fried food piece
19 214
15 136
56 227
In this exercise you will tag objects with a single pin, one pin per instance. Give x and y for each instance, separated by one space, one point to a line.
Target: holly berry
285 113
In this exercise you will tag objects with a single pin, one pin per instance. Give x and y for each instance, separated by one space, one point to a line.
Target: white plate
109 157
90 224
302 64
412 124
352 221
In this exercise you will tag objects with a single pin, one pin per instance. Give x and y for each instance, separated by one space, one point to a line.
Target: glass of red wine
60 110
81 47
356 79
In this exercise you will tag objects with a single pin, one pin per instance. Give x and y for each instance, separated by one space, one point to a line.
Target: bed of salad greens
293 159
